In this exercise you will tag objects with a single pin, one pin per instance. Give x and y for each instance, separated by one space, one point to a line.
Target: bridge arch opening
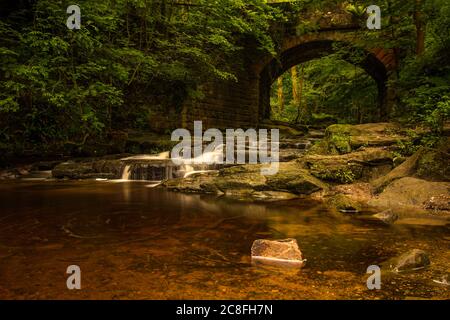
313 50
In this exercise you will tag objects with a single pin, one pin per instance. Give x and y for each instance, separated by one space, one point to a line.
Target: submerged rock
444 280
409 261
387 216
277 252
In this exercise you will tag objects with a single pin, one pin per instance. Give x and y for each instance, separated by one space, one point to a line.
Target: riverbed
132 241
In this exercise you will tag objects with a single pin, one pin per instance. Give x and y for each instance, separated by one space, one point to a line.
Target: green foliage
415 141
129 58
331 86
421 83
135 58
340 175
356 10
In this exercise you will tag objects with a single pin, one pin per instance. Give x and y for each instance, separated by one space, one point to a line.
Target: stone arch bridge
246 102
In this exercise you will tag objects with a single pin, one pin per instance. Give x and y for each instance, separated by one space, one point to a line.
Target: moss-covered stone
72 170
199 183
89 168
292 178
345 203
434 164
409 192
337 138
336 173
350 167
246 180
342 139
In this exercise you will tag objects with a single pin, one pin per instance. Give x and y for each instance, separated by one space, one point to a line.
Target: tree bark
280 94
300 93
420 28
294 77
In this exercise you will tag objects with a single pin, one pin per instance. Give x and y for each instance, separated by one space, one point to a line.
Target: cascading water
160 167
126 171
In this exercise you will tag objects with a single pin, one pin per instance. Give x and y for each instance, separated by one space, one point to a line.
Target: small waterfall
126 172
157 168
148 171
144 167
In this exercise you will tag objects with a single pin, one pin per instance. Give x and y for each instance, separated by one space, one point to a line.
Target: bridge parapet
331 17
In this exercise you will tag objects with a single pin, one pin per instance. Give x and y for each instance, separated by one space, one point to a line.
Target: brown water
134 242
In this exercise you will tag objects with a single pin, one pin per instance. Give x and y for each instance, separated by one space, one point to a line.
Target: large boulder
407 168
345 204
197 183
89 169
247 180
434 164
292 178
426 163
343 139
412 193
348 198
363 165
73 170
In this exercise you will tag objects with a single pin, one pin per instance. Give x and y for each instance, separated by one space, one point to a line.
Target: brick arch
297 50
245 102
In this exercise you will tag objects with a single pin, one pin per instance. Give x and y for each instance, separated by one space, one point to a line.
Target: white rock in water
277 252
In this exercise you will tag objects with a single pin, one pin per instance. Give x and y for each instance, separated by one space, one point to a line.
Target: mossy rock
200 183
411 193
108 167
319 148
343 173
337 138
350 167
344 138
248 181
293 179
345 204
246 177
73 170
434 164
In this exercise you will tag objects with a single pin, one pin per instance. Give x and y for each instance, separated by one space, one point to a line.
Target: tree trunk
280 94
300 93
420 28
294 77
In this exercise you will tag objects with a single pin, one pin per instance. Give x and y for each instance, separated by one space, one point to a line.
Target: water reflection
143 243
